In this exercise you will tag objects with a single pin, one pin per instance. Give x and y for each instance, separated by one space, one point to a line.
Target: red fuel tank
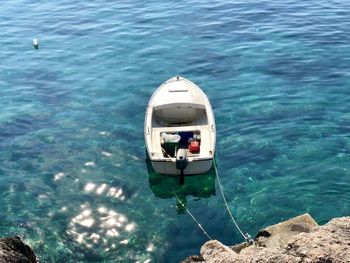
194 147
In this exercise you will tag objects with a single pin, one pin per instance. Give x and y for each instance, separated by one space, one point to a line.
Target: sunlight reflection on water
71 127
100 227
103 188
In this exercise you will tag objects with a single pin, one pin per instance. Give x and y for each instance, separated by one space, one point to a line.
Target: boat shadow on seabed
167 186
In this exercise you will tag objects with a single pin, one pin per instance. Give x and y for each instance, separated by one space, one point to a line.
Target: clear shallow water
73 178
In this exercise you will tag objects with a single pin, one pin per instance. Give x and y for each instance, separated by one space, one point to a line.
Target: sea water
73 177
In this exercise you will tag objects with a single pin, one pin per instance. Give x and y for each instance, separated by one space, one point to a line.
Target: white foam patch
88 222
124 242
107 154
112 232
90 164
101 189
150 247
102 210
89 187
58 176
42 196
130 227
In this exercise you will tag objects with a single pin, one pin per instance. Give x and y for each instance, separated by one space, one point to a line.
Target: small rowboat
179 130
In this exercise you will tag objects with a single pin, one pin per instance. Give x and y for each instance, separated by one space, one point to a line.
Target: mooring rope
195 220
246 236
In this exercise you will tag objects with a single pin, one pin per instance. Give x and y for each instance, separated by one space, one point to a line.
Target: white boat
180 131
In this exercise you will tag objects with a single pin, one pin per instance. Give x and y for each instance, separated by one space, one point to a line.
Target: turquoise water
73 178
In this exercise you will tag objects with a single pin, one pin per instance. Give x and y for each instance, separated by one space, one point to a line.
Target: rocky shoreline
13 250
298 240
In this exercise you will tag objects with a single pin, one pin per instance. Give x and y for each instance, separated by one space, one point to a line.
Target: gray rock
13 250
192 259
277 236
328 243
215 252
298 240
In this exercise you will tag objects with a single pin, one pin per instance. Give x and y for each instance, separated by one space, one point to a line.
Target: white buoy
36 43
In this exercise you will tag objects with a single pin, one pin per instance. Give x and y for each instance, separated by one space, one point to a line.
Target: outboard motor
181 163
181 159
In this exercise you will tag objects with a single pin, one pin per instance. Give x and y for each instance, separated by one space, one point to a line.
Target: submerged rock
13 250
298 240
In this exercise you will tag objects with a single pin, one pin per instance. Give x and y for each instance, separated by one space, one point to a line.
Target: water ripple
71 126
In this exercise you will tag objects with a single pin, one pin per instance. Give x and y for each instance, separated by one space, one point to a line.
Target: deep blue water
73 178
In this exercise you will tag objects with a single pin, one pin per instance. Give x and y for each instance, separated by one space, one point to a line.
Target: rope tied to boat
248 239
194 219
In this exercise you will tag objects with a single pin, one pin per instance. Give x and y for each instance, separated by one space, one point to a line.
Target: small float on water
180 132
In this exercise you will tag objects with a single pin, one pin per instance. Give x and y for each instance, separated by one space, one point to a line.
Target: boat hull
179 108
194 167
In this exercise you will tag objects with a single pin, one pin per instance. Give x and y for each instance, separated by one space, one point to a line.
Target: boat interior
169 148
178 115
180 127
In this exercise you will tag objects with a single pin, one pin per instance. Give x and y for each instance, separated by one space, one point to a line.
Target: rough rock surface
298 240
13 250
212 252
